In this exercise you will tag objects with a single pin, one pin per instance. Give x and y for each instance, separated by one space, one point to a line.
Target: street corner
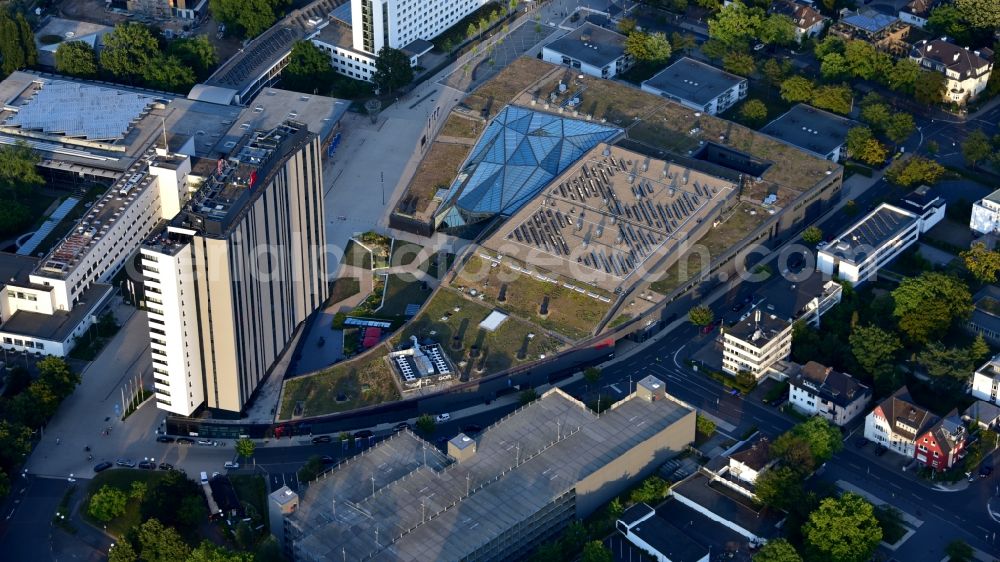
993 508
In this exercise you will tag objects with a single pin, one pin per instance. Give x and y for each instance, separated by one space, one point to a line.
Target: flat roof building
856 255
813 130
754 344
698 86
515 486
590 49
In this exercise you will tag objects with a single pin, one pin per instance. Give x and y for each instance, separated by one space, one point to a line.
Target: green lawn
252 489
365 381
404 253
438 264
400 291
570 313
121 478
356 255
458 332
342 288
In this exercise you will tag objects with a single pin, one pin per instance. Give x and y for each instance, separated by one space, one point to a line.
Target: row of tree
841 60
248 18
136 54
837 98
17 43
309 71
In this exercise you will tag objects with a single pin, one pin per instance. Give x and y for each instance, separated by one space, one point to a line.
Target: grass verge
363 382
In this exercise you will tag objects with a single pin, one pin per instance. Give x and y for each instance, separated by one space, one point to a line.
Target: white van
204 478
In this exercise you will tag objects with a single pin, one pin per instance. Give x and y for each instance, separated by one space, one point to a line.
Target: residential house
942 445
887 33
985 318
748 461
967 72
590 49
816 389
807 19
754 344
985 383
916 12
903 427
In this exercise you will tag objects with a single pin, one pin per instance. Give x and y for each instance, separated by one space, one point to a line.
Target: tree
425 424
842 529
595 551
651 491
17 43
834 67
76 58
876 114
982 263
775 71
158 543
308 69
980 13
976 148
471 31
682 42
899 127
837 99
527 396
739 63
915 171
944 363
311 469
392 70
245 447
592 374
107 503
4 483
137 491
198 53
129 51
823 438
947 21
122 551
777 550
812 235
928 87
247 18
26 40
208 552
701 315
704 425
779 487
648 47
169 73
979 349
796 89
959 551
864 61
873 347
864 147
753 111
714 49
890 520
777 29
903 75
627 26
926 306
735 24
191 512
168 501
55 372
15 442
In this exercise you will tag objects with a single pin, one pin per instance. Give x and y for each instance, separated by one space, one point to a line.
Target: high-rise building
231 278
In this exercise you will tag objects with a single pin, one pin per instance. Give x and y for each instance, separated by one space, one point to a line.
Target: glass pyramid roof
517 155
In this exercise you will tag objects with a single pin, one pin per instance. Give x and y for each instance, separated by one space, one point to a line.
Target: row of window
23 343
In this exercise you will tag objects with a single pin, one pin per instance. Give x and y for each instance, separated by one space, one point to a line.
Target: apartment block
816 389
232 277
755 343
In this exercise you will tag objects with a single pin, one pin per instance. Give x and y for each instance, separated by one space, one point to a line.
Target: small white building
754 344
592 50
750 460
986 214
883 234
916 12
813 130
986 381
807 19
699 86
816 389
658 538
967 72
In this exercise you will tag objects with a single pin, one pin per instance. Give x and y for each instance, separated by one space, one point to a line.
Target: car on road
231 465
401 426
147 465
102 466
441 418
985 471
708 328
204 478
860 442
880 450
321 439
472 429
734 392
216 473
185 441
205 442
364 434
166 466
327 459
129 463
164 439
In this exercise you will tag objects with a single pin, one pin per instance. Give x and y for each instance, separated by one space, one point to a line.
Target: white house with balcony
815 389
967 71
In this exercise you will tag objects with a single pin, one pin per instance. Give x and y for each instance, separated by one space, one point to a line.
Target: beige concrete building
233 276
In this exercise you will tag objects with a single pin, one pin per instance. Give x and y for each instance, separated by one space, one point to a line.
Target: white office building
883 234
590 49
986 214
754 344
698 86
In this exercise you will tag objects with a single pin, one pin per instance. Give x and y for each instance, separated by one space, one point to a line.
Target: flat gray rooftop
590 44
16 268
758 332
59 325
274 106
808 128
693 81
425 509
871 233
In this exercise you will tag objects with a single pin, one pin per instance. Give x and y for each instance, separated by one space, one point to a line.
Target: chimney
461 447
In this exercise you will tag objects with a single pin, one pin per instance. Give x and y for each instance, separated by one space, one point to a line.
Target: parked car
985 471
129 463
364 434
441 418
164 439
231 465
185 441
401 426
166 466
147 465
880 450
204 478
327 459
860 442
321 439
734 392
471 429
708 328
205 442
102 466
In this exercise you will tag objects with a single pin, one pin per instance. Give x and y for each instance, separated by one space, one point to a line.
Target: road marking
616 389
